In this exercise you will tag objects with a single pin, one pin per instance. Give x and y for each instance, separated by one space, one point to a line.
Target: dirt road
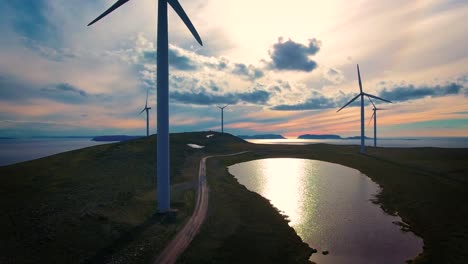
190 230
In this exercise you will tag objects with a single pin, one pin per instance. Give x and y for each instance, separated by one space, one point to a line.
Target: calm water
329 207
461 142
19 150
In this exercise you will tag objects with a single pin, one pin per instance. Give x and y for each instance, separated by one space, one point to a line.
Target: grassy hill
87 204
427 187
98 204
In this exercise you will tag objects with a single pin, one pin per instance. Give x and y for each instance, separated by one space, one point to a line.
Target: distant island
114 138
311 136
264 136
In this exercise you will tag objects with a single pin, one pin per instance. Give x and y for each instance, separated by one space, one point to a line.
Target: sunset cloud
289 55
284 70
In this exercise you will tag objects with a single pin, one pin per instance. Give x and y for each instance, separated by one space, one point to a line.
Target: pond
330 207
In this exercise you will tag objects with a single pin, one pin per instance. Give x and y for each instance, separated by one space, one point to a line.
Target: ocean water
18 150
329 206
454 142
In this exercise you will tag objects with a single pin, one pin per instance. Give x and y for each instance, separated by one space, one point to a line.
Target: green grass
242 227
98 204
428 188
92 204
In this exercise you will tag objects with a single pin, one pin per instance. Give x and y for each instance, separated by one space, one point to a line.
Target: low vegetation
427 187
97 205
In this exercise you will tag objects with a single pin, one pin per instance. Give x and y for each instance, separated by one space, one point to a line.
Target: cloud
64 92
316 101
410 92
21 91
250 72
279 86
294 56
177 60
205 98
54 54
181 62
184 60
335 76
68 93
28 18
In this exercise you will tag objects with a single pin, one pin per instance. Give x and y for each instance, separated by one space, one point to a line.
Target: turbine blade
112 8
359 77
371 118
376 97
349 102
371 101
180 11
142 111
146 104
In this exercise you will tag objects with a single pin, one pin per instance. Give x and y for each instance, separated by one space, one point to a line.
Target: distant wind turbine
361 94
222 117
147 113
162 75
374 115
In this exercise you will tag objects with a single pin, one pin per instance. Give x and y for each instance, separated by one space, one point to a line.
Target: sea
14 150
416 142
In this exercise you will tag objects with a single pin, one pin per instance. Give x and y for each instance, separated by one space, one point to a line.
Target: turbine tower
222 117
362 94
374 115
147 113
162 72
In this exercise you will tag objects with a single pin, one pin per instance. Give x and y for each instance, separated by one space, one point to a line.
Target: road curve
181 241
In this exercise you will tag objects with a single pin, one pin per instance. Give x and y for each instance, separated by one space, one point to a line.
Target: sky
284 67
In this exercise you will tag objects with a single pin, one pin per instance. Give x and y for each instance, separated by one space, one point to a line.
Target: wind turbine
374 115
361 94
162 75
147 113
222 117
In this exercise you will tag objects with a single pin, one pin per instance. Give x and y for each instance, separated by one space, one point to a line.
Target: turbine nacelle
162 73
173 3
369 96
363 93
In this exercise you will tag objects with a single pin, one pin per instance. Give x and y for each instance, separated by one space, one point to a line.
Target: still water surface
329 206
19 150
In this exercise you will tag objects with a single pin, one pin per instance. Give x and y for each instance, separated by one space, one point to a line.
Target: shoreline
451 160
402 224
107 191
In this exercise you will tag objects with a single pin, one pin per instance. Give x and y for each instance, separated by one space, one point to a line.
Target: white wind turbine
222 117
162 75
147 113
374 115
361 94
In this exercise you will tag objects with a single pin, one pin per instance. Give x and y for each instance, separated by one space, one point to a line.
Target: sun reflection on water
328 206
284 184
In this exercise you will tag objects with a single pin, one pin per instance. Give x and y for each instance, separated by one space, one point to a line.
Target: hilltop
114 138
97 203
